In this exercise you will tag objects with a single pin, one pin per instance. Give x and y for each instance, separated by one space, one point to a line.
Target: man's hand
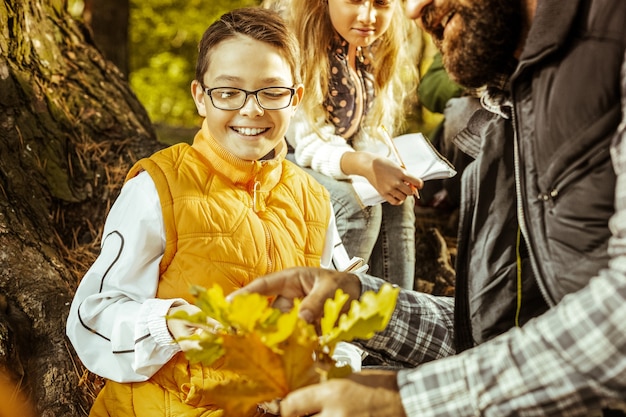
363 394
313 285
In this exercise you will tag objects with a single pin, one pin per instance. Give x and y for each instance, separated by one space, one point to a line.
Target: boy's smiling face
251 132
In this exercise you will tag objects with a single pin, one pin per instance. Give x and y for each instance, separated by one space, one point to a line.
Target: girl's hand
392 181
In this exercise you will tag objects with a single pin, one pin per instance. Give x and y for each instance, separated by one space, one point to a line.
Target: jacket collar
550 28
240 172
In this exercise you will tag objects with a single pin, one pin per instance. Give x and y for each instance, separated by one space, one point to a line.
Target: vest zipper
521 215
268 249
255 190
268 235
600 153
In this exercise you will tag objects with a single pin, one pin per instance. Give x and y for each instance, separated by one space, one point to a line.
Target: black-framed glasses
269 98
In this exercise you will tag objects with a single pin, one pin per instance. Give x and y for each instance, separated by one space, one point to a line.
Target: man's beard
480 49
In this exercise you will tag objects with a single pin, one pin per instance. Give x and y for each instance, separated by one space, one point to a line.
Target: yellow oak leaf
262 374
240 396
211 348
367 316
212 302
273 353
332 311
285 325
299 357
246 314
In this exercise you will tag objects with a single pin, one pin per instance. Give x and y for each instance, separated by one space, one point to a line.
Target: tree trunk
69 129
108 21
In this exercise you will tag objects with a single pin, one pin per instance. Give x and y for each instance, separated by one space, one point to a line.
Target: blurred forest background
158 52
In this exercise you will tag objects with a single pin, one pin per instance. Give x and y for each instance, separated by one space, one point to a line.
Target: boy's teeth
249 131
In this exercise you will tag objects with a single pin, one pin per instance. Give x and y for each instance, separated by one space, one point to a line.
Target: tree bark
69 129
108 21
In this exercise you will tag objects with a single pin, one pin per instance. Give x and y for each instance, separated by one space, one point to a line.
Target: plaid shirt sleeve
570 361
417 317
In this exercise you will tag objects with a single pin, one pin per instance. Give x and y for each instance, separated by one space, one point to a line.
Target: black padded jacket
537 200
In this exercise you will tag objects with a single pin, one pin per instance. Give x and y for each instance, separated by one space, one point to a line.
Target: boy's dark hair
257 23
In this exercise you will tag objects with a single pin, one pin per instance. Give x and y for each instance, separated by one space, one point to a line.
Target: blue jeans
383 235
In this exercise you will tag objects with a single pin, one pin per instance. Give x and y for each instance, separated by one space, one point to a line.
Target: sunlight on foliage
271 353
363 318
164 35
76 7
162 51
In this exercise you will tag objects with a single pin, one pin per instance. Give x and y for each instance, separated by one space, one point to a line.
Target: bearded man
537 325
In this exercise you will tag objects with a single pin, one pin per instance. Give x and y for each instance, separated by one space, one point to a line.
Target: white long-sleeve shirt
116 324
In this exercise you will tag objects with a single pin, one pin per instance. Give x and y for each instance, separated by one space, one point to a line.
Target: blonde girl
359 67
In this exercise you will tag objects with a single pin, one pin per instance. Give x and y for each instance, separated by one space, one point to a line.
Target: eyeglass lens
270 98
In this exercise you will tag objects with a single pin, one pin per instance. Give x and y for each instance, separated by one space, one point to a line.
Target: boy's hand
181 328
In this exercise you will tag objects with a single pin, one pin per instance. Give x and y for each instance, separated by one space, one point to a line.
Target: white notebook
421 160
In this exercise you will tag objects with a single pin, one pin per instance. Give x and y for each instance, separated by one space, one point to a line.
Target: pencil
396 154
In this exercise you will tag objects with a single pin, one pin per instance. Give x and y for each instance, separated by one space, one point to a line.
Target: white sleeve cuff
156 309
334 164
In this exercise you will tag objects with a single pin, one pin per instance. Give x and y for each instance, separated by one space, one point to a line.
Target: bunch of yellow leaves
270 353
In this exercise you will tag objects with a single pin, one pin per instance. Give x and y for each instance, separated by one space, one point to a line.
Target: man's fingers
321 284
301 403
313 285
376 393
269 285
323 288
283 304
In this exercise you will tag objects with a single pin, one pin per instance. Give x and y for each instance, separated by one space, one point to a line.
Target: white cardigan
324 155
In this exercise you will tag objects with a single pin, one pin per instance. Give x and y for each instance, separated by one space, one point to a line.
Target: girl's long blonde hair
394 62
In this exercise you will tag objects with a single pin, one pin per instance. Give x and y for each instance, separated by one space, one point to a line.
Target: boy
224 210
